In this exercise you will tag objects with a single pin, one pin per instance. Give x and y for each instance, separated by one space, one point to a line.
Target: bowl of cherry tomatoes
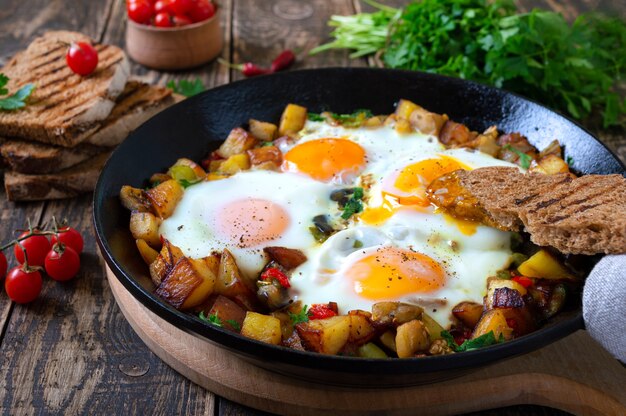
173 34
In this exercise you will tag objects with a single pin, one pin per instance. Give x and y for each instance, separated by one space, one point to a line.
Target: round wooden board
574 374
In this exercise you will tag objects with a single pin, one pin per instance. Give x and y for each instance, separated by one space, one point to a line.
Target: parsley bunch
17 100
575 68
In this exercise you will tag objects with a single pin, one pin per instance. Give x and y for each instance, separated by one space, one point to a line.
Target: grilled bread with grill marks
65 107
585 215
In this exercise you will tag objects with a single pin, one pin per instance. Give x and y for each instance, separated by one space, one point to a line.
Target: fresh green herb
265 144
357 244
186 183
471 344
185 175
234 324
318 235
17 100
185 87
575 68
354 119
213 319
354 204
302 316
315 117
524 159
570 161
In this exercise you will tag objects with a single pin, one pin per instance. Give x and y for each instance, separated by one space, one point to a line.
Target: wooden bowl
177 47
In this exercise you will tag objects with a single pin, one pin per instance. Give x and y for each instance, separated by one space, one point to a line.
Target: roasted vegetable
164 197
262 328
148 254
134 199
145 226
237 142
411 337
289 258
263 130
543 265
265 155
230 314
394 313
292 120
165 261
327 336
233 285
468 312
493 320
187 284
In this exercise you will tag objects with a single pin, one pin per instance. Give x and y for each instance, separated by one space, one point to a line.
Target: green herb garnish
524 159
357 244
213 319
570 161
185 87
302 316
234 324
17 100
315 117
354 119
354 204
471 344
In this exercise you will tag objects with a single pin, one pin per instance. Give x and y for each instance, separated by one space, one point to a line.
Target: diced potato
375 121
486 142
371 350
292 120
232 284
549 165
145 226
404 109
520 320
554 148
148 254
262 328
158 178
213 262
205 289
234 164
403 126
426 122
238 141
395 313
186 169
432 326
327 336
543 265
468 312
269 165
289 258
134 199
215 176
179 283
361 328
495 283
549 298
165 261
388 339
265 154
453 133
286 324
164 198
411 337
214 165
263 130
228 312
493 320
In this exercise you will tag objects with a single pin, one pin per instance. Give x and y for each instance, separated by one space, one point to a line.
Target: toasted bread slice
135 105
574 215
65 107
65 184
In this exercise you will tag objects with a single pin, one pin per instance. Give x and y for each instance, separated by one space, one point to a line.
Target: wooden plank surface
71 351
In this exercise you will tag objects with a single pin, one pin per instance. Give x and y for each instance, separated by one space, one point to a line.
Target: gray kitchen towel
604 304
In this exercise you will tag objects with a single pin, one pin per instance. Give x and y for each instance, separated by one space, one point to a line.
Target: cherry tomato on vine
36 246
201 10
161 6
181 20
70 237
82 58
163 20
139 11
23 284
62 263
3 265
181 6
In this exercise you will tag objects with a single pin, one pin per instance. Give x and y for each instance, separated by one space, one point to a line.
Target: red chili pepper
320 311
274 273
248 69
523 280
283 61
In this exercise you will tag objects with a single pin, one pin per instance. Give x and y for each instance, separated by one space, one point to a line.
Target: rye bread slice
65 184
135 105
584 215
65 107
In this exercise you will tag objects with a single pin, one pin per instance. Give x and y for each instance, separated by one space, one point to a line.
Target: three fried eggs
397 249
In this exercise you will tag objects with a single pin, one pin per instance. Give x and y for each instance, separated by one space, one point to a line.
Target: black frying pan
197 125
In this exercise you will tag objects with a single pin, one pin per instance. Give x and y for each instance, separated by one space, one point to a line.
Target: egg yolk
250 222
391 272
326 159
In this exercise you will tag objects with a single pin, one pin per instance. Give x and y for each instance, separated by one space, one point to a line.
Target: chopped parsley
185 87
17 100
570 161
524 159
212 319
315 117
354 204
471 344
354 119
300 317
234 324
357 244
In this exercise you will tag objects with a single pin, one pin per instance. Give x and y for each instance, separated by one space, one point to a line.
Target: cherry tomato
70 237
163 20
82 58
181 6
139 11
201 10
23 285
37 246
161 6
3 265
180 20
62 262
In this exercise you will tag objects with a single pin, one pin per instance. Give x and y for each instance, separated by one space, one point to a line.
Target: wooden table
71 351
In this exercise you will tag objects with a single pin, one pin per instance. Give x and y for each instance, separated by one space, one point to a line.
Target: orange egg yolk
391 272
250 222
326 159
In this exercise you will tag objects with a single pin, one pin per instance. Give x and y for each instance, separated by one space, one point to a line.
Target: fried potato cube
543 265
549 165
426 122
145 226
165 261
164 198
493 320
403 126
289 258
292 120
230 314
186 169
453 133
411 337
395 313
261 155
134 199
179 283
494 283
263 130
468 312
262 328
361 328
148 254
205 289
234 164
232 284
326 336
404 109
238 141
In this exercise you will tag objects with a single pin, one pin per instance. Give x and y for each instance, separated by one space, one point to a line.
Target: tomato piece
36 246
82 58
139 11
3 265
201 10
321 311
274 273
523 280
70 237
181 20
23 284
181 7
162 6
62 262
163 20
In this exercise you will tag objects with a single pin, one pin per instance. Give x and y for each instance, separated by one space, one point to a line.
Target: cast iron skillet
197 125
